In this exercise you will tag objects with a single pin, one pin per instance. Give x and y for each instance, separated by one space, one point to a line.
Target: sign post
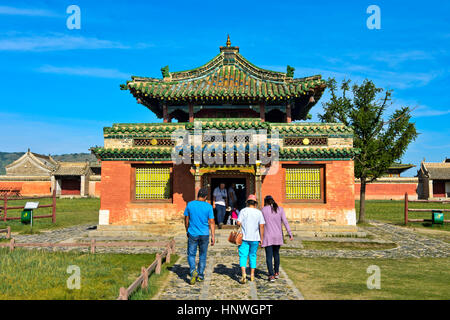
27 214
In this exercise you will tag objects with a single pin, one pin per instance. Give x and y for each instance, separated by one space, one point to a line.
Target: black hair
251 202
268 201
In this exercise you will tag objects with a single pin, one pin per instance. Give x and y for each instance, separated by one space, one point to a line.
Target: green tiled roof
165 153
228 78
165 129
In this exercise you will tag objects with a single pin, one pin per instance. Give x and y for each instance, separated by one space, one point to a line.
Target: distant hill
8 157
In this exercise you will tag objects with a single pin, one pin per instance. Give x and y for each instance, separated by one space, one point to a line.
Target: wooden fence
5 207
142 280
7 231
407 209
92 245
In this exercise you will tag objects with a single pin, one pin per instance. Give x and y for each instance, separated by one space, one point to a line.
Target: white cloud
85 71
5 10
57 42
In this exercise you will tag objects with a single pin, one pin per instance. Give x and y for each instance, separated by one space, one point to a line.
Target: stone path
222 280
222 273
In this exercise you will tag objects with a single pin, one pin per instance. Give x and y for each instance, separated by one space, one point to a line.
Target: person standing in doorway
274 217
220 202
198 220
232 201
252 222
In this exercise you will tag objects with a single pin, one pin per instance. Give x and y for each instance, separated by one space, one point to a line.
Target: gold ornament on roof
228 41
306 141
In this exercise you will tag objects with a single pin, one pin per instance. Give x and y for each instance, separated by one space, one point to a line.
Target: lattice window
153 183
153 142
303 183
302 141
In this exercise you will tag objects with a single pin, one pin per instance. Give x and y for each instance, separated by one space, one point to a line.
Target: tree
380 142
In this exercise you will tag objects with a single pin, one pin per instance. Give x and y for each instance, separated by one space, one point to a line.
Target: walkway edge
291 284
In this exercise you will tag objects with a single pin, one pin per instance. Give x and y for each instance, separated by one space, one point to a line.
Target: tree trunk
362 202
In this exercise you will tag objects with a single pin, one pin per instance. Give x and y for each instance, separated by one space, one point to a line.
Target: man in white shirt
252 222
220 202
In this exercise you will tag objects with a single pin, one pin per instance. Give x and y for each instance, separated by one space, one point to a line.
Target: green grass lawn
36 274
393 211
337 279
69 212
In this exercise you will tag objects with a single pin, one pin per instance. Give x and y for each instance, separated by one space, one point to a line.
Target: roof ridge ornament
228 41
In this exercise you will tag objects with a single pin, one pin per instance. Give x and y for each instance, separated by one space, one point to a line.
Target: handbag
235 237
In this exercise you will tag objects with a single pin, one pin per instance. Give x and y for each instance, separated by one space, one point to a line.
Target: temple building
312 175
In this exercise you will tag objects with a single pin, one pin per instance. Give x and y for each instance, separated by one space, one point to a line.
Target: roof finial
228 41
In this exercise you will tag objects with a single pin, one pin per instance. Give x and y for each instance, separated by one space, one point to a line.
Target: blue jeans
220 213
247 250
202 243
273 253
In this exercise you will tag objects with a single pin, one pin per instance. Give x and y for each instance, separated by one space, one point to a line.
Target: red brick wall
339 207
387 191
116 196
29 188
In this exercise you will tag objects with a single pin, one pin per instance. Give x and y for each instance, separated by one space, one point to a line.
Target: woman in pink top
273 235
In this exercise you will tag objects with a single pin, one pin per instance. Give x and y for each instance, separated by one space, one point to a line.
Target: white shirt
250 219
221 195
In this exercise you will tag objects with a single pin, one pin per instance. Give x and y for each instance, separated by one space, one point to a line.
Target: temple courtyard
413 262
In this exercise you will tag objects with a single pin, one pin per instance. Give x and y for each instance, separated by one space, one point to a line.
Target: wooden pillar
191 112
165 113
288 113
406 208
262 111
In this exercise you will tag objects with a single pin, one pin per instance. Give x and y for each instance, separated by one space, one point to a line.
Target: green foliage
381 142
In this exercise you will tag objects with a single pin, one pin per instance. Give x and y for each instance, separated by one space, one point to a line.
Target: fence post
11 245
93 246
8 233
54 206
406 208
5 208
123 294
145 278
158 264
169 251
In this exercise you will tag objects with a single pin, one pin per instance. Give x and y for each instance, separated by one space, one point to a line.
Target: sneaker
194 277
200 279
277 275
271 278
220 225
243 279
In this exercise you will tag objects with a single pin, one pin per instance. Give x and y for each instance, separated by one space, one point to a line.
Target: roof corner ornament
165 72
228 41
290 71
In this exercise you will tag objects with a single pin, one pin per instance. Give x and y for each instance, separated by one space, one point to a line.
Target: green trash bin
25 216
437 217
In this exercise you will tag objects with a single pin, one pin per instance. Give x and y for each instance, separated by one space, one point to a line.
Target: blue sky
60 87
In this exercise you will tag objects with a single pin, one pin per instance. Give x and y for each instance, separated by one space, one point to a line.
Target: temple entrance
245 184
240 189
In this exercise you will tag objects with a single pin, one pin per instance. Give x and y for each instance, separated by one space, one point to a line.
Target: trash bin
25 216
437 217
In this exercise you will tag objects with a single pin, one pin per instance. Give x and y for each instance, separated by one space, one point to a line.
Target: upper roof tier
228 78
